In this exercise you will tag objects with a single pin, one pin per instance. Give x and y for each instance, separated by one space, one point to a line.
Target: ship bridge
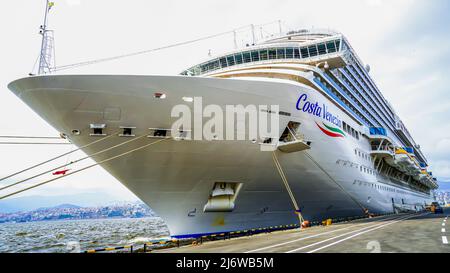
307 47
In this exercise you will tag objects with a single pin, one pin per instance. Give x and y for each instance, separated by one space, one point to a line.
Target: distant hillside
28 203
73 212
62 206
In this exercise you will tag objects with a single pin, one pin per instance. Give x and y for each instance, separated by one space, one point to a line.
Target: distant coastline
74 212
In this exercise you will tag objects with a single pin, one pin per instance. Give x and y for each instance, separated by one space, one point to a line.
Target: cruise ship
340 151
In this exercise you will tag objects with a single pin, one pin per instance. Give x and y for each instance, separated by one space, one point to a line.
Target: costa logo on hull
321 110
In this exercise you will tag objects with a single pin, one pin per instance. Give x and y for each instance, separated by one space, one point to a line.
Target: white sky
405 42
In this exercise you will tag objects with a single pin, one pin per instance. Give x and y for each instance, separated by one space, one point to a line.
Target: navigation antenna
47 54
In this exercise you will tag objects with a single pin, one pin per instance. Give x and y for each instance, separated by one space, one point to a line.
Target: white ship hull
175 178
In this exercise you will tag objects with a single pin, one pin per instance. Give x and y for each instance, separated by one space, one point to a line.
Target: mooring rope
71 163
288 188
82 169
32 137
59 156
33 143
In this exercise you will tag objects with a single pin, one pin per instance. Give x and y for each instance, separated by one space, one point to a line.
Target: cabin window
289 53
304 52
280 53
247 57
322 49
230 60
209 66
263 55
255 56
223 62
238 58
338 44
331 47
312 50
215 65
296 53
272 54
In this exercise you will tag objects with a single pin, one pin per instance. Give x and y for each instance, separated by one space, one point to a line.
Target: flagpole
42 32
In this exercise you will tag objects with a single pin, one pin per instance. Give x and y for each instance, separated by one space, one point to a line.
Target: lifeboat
418 176
423 176
427 179
403 160
415 171
392 162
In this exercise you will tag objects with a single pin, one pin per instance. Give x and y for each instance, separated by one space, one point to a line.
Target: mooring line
82 169
71 163
33 143
59 156
288 188
32 137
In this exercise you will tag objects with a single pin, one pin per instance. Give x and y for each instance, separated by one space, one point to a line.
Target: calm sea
79 235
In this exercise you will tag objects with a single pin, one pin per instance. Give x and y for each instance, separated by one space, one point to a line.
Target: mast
46 55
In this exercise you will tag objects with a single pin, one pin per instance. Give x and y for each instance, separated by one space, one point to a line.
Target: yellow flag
50 5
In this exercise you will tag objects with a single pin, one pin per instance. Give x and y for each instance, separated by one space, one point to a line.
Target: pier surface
421 232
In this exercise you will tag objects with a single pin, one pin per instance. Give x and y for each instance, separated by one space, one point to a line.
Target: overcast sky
406 43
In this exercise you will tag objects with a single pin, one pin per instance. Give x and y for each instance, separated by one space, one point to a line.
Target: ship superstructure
334 69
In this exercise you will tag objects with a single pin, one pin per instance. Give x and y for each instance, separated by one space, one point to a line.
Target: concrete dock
420 232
